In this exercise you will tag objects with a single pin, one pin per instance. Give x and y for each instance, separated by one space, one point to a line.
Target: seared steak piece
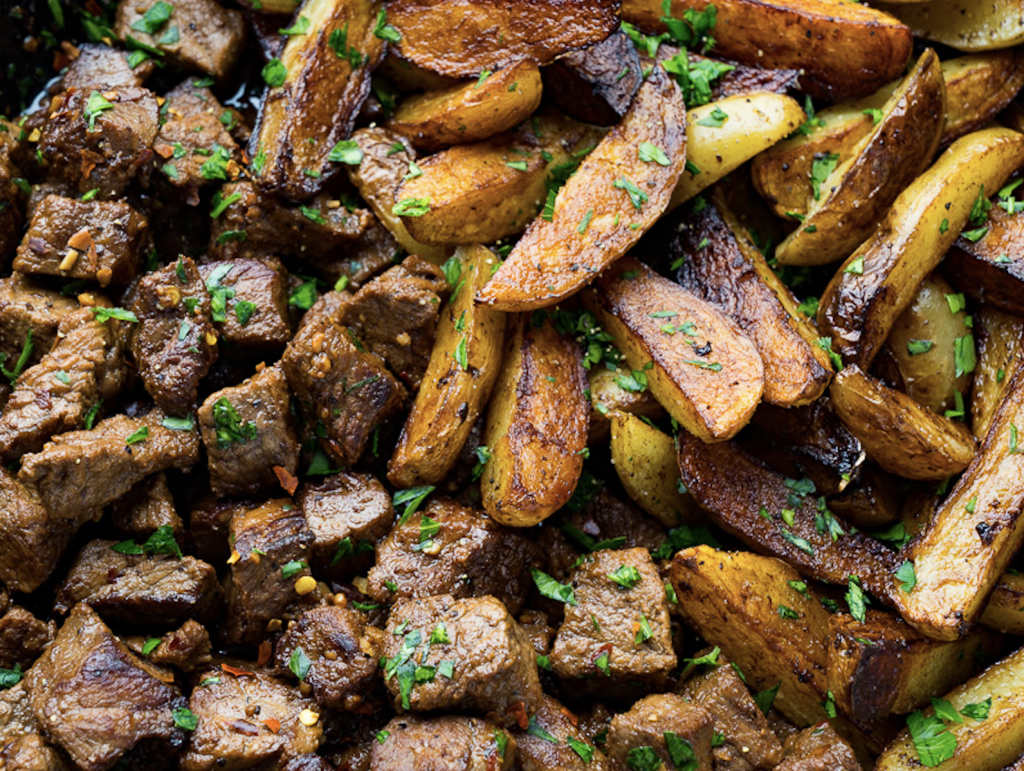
103 67
449 743
31 753
818 748
144 508
195 151
596 84
16 715
545 746
208 526
654 726
187 648
12 209
25 306
254 313
23 637
33 539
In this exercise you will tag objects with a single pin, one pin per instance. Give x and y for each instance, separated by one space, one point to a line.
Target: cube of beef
338 384
818 748
100 139
553 742
188 648
84 367
12 210
395 316
329 649
33 539
105 68
450 549
254 313
535 624
327 306
174 342
373 250
31 752
196 151
271 542
97 240
23 637
146 507
619 628
193 97
661 727
248 720
145 591
448 743
97 699
80 472
248 433
14 144
347 514
596 84
16 716
481 658
748 741
27 307
208 526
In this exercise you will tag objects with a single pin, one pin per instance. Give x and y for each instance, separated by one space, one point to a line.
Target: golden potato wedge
873 502
845 50
880 279
980 745
966 25
705 372
536 425
978 87
733 600
1004 611
883 665
474 194
455 37
645 460
608 397
973 534
992 268
847 205
454 392
721 265
618 193
780 517
409 78
897 433
1000 339
469 112
301 120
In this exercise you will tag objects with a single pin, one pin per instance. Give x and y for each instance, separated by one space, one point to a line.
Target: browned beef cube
78 473
546 746
486 664
104 67
14 142
26 306
187 648
16 716
139 590
12 210
310 763
468 555
619 630
337 383
748 741
208 525
327 306
818 748
248 433
144 508
448 743
658 727
195 151
23 637
199 35
255 313
395 316
235 714
33 540
596 84
31 753
347 514
328 648
271 542
97 240
535 624
174 342
100 139
97 699
85 366
374 250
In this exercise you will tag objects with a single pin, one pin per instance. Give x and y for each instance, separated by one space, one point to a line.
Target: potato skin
967 25
992 269
1002 613
978 87
1000 341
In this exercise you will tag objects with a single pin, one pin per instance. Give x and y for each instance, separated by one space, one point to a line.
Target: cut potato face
1000 345
608 397
992 268
967 25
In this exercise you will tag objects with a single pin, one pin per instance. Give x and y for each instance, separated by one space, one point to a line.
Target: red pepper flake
89 162
288 481
273 724
236 671
165 151
263 654
518 711
572 717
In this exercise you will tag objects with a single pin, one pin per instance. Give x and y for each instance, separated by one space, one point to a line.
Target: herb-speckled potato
992 268
967 25
1000 341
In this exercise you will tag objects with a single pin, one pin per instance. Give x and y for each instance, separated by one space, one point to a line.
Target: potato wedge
992 268
721 265
455 37
979 87
536 426
475 196
777 516
645 460
452 396
858 192
897 433
607 397
603 209
319 98
705 372
873 502
880 279
981 745
469 112
845 50
732 599
973 534
883 665
966 25
1000 347
1004 611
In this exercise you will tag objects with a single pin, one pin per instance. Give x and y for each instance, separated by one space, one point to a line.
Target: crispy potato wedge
319 99
455 37
603 209
1000 340
845 50
645 460
873 502
973 534
966 25
721 265
469 112
607 397
880 279
979 87
774 515
897 433
981 745
536 426
409 78
452 396
992 268
1004 611
883 665
858 192
732 599
705 372
475 196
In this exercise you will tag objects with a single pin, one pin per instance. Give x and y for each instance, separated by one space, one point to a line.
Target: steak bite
31 752
12 211
818 748
105 68
194 151
146 507
661 727
254 313
448 743
553 742
188 648
28 307
23 637
33 539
